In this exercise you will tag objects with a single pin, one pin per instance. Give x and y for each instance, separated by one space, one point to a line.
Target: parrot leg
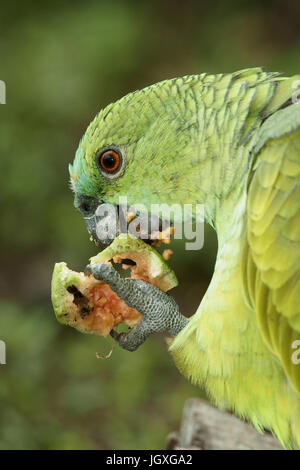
160 311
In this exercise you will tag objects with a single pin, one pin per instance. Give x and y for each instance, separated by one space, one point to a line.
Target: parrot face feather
146 131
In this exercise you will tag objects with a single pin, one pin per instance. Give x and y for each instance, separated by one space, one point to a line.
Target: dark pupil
109 160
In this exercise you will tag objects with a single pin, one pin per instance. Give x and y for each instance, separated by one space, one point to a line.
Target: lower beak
102 229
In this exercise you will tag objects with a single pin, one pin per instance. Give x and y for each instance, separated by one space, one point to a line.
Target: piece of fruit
91 306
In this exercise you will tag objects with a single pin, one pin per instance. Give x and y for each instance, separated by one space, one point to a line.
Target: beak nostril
87 205
85 208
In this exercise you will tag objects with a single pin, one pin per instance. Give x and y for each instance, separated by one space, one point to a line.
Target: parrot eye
109 161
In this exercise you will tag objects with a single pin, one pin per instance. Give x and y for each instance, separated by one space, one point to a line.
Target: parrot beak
106 221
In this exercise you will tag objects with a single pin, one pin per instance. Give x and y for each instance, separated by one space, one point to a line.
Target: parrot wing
271 261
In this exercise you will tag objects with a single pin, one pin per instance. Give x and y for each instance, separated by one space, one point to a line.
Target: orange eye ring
109 161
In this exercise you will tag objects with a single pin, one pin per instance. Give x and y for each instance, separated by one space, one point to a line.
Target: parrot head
137 147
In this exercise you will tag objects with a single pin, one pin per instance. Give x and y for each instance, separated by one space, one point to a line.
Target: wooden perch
204 427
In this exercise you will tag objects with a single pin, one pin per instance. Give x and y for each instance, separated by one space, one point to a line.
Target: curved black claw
134 338
160 311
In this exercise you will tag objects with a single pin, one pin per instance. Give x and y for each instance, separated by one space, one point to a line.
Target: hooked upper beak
88 207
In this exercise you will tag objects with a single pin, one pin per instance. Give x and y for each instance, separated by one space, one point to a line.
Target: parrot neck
230 212
222 180
225 210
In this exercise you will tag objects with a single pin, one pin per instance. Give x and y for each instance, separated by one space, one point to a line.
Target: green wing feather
272 255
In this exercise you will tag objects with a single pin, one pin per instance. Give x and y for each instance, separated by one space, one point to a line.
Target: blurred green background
62 62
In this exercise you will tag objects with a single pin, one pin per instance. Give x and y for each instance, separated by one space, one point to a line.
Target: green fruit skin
137 250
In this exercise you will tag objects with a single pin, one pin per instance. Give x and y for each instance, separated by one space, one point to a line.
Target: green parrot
232 143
